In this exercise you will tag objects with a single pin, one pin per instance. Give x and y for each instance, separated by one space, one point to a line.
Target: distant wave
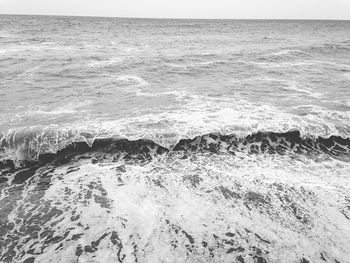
347 76
306 52
34 48
331 48
68 108
309 64
195 65
131 80
105 63
300 89
286 52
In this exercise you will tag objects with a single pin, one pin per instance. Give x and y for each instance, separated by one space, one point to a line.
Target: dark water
145 140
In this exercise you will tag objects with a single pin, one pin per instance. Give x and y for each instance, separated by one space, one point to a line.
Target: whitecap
177 94
198 115
68 108
347 76
131 80
196 65
285 52
293 86
104 63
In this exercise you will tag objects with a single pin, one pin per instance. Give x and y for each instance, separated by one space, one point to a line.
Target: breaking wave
243 124
32 149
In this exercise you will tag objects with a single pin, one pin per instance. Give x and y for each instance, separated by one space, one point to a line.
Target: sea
166 140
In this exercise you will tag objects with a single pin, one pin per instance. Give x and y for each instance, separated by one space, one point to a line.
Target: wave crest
31 145
196 119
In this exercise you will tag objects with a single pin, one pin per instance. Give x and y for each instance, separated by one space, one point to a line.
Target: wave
293 86
200 116
331 48
202 64
303 55
256 143
68 108
131 80
287 52
167 131
313 65
105 63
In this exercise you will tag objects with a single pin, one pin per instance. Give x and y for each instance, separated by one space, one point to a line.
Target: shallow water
145 140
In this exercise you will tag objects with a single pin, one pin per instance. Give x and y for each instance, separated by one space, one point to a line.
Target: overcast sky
285 9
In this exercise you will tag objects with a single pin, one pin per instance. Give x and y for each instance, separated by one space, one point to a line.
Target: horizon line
178 18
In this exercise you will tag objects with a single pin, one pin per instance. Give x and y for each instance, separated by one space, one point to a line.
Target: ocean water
147 140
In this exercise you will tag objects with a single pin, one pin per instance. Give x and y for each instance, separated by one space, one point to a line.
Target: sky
210 9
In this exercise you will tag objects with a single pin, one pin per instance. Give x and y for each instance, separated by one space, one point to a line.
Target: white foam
302 63
68 108
26 48
176 93
290 207
347 76
6 34
301 89
105 63
196 64
200 115
132 80
287 52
